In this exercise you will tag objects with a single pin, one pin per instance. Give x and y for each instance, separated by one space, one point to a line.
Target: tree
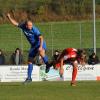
58 6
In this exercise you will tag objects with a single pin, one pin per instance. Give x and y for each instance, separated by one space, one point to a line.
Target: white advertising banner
87 72
17 73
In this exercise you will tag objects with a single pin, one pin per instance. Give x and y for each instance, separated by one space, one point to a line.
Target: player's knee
29 62
75 64
42 53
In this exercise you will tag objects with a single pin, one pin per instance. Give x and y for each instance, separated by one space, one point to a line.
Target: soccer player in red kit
71 56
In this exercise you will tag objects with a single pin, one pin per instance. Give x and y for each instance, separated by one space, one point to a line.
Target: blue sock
30 68
45 59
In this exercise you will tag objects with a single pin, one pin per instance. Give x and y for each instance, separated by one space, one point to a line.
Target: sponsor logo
81 68
28 34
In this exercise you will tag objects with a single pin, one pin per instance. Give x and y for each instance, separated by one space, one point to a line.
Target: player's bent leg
74 73
45 59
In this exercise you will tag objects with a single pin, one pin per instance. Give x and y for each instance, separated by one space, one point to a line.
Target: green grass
50 91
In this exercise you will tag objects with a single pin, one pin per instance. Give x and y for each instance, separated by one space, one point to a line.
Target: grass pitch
89 90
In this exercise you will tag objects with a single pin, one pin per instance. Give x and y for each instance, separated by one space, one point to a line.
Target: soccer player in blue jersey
38 45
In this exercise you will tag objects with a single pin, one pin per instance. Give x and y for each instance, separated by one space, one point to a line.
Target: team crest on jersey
28 34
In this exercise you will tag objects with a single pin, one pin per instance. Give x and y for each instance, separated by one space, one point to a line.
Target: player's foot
73 84
44 79
47 68
61 76
28 81
61 79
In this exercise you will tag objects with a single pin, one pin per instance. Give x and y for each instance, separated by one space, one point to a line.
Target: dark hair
56 51
27 21
17 49
81 52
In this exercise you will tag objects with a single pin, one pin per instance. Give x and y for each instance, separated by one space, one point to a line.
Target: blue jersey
31 35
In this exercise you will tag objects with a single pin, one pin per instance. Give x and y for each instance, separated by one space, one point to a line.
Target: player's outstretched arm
13 21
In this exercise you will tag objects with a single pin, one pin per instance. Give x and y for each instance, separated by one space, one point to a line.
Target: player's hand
40 48
8 15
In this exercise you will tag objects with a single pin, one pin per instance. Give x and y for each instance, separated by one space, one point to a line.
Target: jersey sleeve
21 25
37 32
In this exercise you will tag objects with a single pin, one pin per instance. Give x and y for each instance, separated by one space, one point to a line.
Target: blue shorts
34 50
